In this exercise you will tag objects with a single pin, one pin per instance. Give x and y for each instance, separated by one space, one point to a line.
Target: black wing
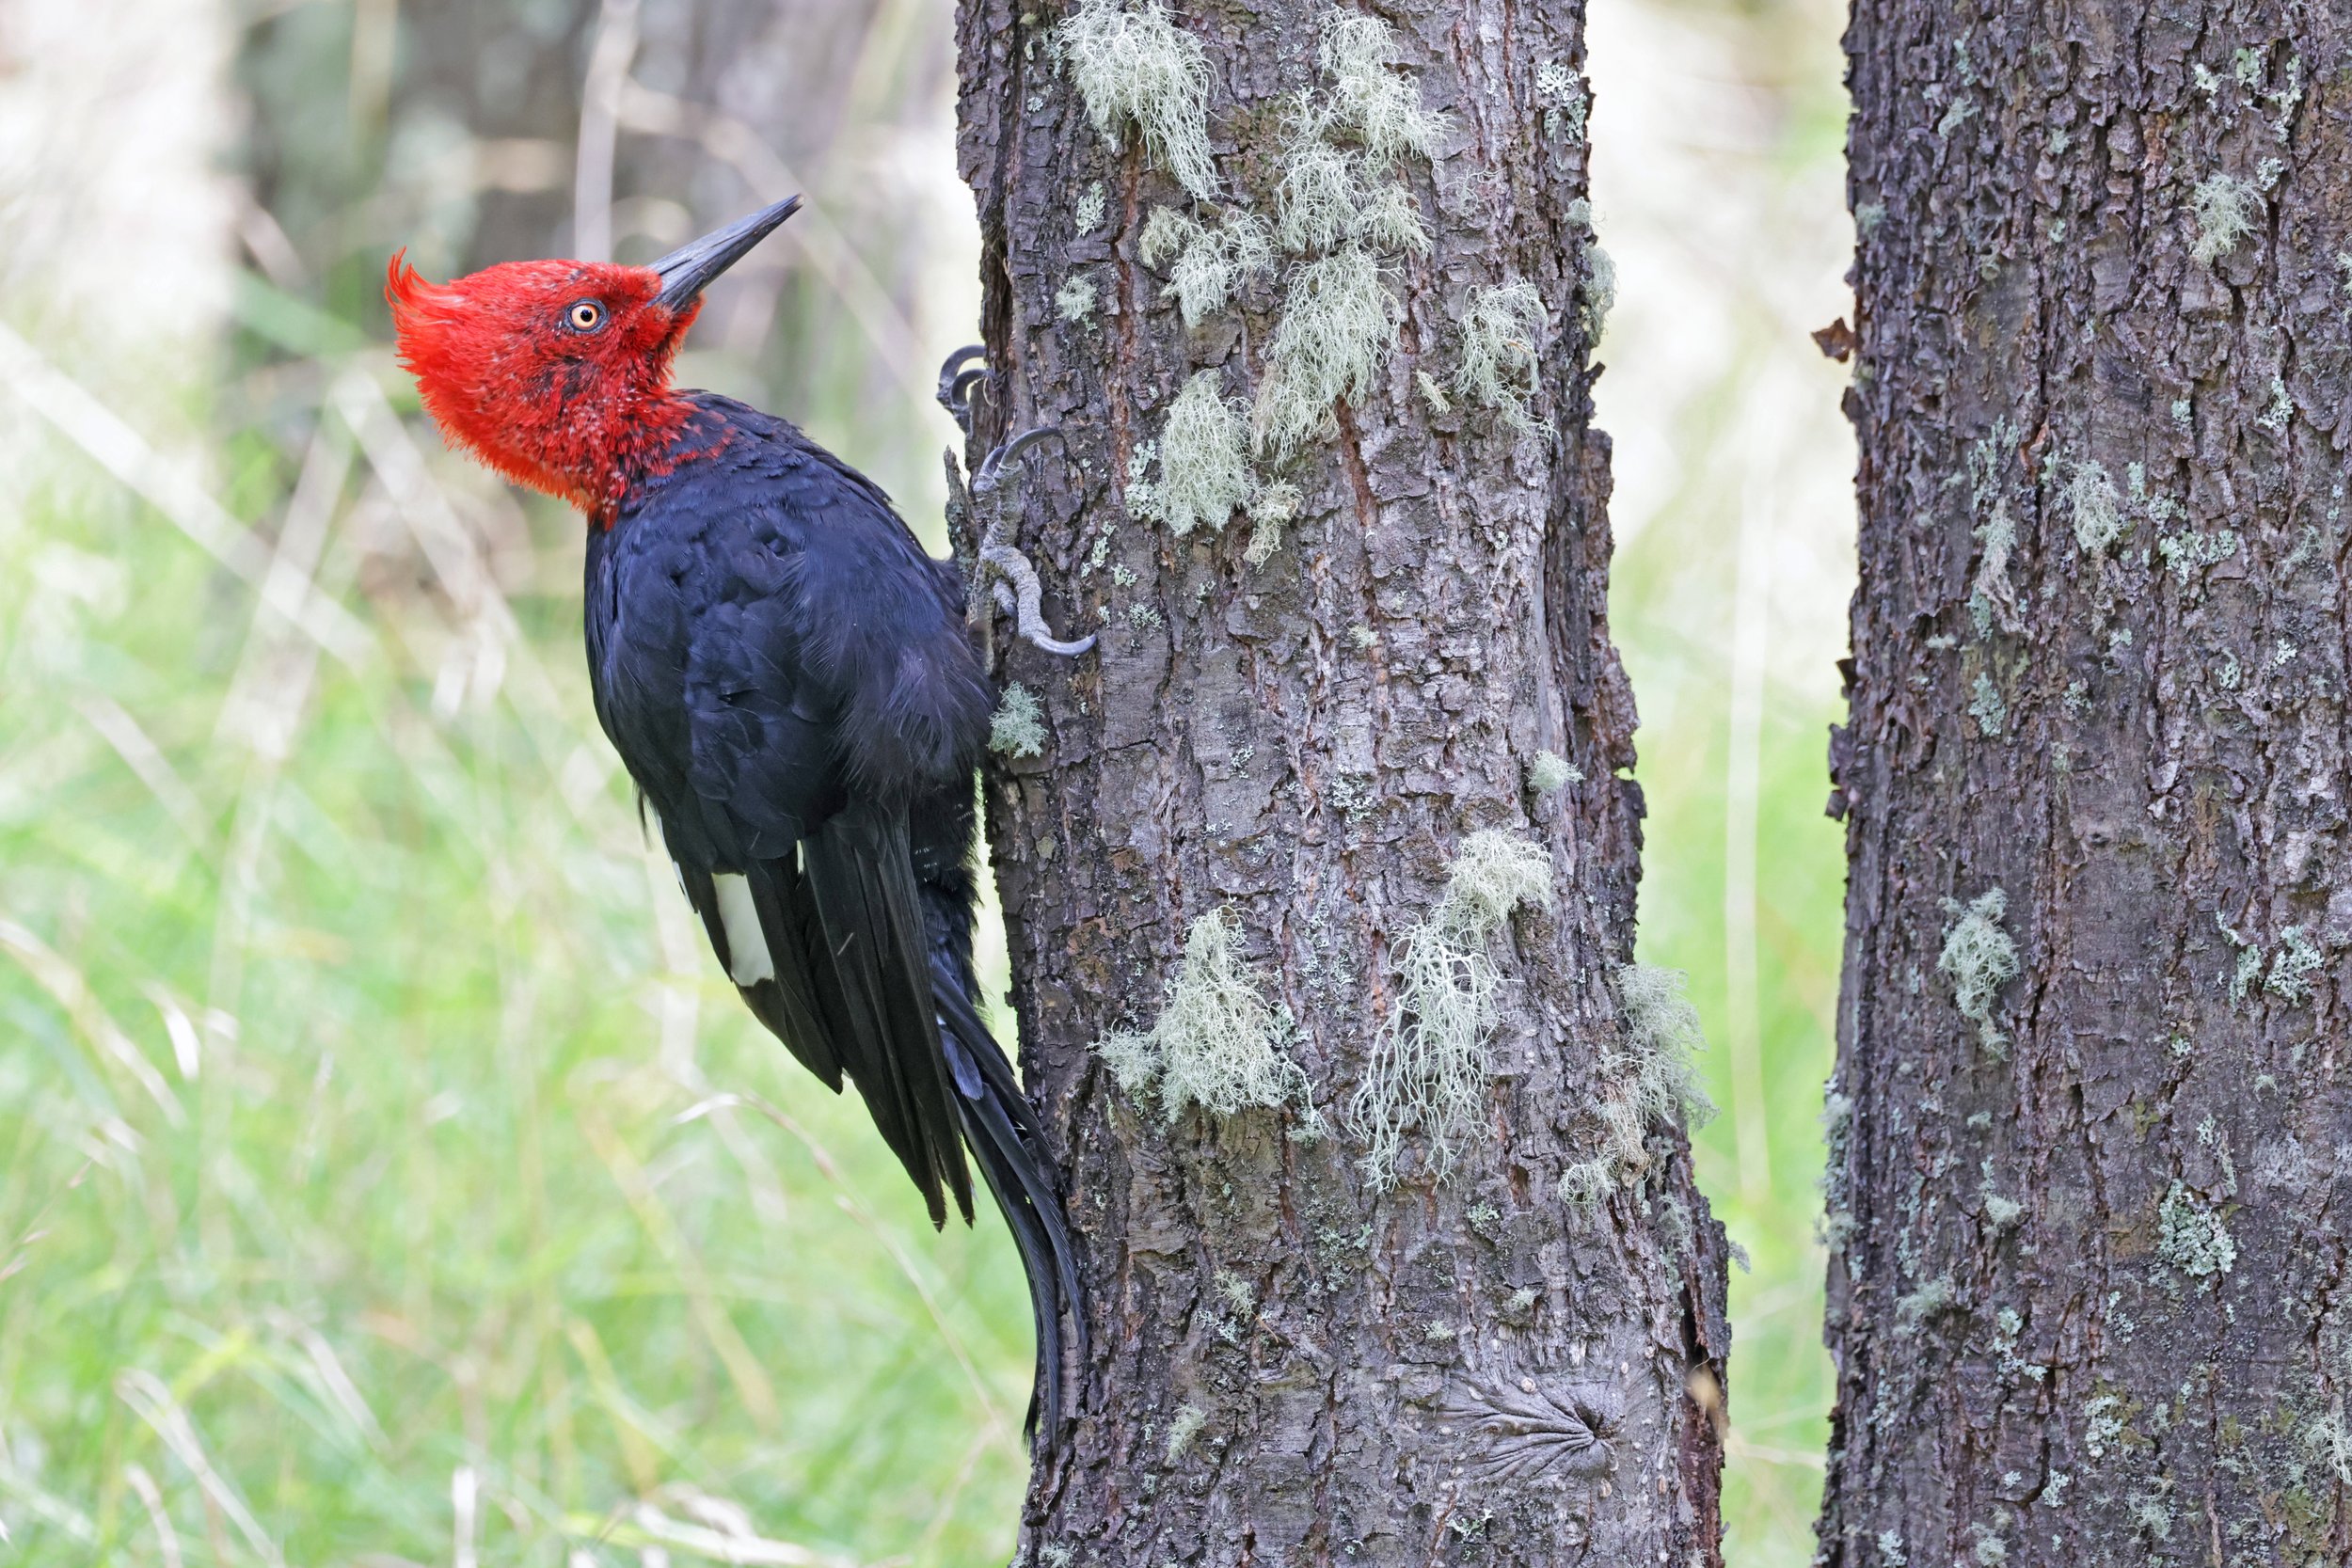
783 669
790 680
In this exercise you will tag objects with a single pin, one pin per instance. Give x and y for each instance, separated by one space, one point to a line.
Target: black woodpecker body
792 683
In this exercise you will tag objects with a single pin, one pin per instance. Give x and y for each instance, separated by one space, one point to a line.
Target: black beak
689 269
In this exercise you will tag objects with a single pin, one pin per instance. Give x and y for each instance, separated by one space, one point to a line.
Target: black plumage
792 684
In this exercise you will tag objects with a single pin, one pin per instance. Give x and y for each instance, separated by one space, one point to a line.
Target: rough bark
2087 1283
1289 1364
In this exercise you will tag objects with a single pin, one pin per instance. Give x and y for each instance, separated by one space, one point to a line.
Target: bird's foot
1012 581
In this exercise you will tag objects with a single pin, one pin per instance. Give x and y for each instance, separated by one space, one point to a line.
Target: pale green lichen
1923 1306
2226 209
1596 295
1074 301
2103 1417
1271 510
1017 729
2298 960
1566 102
1339 323
1646 1082
1979 958
1390 220
1382 109
1991 594
1204 474
1205 265
1141 494
2280 412
2249 959
1550 770
2192 1238
1318 197
2096 507
1183 1429
1428 1067
1167 232
2185 555
1092 204
2328 1439
1988 707
1501 330
1218 1043
1434 393
1135 67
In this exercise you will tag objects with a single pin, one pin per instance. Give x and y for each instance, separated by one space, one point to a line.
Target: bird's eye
585 316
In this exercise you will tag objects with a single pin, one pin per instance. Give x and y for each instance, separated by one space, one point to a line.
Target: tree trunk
2090 1115
1256 800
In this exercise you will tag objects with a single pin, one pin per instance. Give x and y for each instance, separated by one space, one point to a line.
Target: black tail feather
1006 1141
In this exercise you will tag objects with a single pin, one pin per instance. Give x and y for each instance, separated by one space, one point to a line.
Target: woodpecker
791 682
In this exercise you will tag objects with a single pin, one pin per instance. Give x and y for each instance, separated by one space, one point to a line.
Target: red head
557 374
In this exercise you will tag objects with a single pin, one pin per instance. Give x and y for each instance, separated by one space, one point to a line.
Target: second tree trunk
2090 1123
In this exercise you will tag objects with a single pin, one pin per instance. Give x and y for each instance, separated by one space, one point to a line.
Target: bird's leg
1013 584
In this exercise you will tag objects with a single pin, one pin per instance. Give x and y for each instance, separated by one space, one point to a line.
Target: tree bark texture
2088 1289
1289 1365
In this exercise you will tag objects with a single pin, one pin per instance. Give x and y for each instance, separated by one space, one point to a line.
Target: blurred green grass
383 1178
354 1025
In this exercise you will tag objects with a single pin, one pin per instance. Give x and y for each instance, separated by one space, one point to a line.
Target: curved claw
954 382
948 373
992 466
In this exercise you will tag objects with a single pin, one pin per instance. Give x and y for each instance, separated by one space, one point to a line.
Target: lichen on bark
2088 1289
1301 725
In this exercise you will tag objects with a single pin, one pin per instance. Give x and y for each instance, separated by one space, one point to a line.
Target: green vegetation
349 1193
383 1171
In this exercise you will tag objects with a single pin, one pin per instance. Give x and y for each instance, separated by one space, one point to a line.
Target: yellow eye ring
585 316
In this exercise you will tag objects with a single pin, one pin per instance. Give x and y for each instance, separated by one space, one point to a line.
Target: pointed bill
688 270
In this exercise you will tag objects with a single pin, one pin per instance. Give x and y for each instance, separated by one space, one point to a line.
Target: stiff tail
1007 1143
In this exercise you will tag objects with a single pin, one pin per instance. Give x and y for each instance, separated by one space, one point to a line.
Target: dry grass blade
168 487
599 129
999 1429
464 1501
146 759
151 1498
743 1369
649 1530
145 1393
65 984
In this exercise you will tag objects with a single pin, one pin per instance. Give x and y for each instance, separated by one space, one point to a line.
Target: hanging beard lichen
1428 1067
1218 1043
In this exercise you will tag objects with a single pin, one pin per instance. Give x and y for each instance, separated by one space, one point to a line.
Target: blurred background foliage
385 1174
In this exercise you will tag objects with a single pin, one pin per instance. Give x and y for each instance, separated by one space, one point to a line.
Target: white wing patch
748 960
